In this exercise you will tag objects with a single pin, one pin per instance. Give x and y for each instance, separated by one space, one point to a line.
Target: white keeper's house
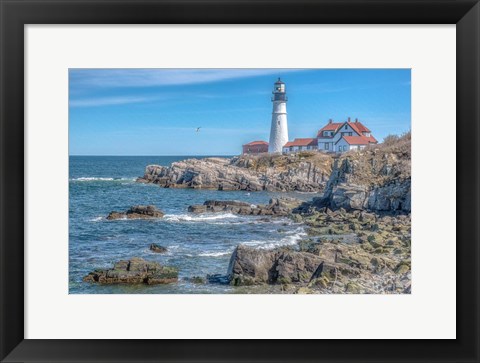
335 137
344 136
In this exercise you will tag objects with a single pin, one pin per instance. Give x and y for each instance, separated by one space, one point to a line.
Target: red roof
302 142
331 126
358 127
256 143
359 140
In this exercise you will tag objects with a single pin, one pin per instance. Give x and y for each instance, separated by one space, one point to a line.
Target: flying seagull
198 129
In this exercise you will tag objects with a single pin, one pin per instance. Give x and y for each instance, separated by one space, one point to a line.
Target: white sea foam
198 217
292 239
96 219
215 254
93 178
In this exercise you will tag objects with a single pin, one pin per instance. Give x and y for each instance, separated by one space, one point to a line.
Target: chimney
349 119
330 121
356 120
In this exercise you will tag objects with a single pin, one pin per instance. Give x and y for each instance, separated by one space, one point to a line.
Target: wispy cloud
106 101
162 77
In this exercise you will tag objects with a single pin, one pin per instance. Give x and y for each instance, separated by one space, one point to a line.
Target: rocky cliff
376 179
306 172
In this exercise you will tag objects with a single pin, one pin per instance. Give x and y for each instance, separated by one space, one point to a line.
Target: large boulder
137 212
134 271
249 266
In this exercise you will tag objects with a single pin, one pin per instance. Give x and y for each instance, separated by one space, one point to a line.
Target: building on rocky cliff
306 144
255 147
279 126
344 136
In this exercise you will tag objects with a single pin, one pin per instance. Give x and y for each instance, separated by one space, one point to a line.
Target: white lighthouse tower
279 128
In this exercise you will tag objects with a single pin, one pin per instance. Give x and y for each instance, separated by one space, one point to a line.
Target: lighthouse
279 128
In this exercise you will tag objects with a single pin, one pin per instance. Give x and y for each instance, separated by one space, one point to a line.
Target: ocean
198 245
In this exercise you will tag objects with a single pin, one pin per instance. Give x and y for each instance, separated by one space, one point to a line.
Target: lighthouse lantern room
279 127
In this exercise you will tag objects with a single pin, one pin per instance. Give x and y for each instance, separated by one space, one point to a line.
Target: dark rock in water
197 209
134 271
137 212
218 279
276 207
157 249
195 279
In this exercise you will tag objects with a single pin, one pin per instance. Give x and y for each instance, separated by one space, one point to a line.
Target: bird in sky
198 129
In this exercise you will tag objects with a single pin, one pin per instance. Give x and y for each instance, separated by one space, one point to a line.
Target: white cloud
162 77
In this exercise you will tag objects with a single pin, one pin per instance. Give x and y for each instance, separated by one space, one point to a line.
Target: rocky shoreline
359 228
345 252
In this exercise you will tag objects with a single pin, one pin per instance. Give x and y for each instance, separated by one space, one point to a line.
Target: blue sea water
197 245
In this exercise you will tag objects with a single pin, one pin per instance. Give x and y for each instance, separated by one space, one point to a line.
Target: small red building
255 147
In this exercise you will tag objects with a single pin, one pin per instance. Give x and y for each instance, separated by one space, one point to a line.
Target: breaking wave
292 238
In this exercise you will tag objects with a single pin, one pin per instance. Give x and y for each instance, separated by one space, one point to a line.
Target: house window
346 126
326 146
344 147
349 134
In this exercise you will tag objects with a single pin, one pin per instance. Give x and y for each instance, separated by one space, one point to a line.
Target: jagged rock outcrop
134 271
307 172
376 179
137 212
276 207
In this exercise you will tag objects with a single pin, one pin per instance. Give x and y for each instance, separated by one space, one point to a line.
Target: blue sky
157 111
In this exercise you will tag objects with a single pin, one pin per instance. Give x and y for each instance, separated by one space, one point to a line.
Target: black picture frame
15 14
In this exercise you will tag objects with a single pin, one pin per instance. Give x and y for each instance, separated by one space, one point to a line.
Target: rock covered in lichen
134 271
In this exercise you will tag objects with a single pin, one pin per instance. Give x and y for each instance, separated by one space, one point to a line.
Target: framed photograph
240 181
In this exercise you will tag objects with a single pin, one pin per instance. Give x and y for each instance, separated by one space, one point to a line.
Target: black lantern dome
279 91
